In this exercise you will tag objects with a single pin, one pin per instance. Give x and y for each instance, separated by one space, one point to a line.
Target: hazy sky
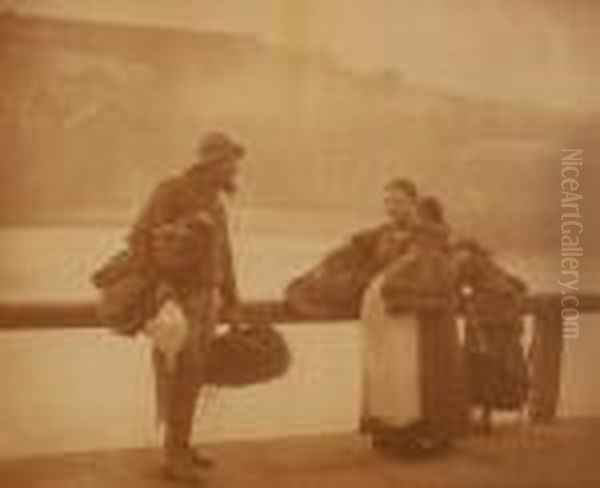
540 50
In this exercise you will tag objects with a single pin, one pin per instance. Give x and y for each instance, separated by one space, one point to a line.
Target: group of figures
415 290
408 280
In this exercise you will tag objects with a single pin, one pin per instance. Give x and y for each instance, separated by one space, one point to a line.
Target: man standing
182 237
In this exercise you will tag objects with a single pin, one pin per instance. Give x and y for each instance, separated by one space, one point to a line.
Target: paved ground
560 456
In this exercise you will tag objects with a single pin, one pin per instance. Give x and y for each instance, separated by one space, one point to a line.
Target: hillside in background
91 115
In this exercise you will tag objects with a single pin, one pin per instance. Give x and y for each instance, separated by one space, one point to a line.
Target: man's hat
219 144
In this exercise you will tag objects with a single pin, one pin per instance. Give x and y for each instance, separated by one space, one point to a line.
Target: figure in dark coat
181 238
493 298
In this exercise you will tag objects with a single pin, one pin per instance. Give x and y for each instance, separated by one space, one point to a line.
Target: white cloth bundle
168 331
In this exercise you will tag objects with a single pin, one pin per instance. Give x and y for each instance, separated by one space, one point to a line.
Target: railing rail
546 349
81 315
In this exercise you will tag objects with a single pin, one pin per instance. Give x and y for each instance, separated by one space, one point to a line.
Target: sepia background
99 100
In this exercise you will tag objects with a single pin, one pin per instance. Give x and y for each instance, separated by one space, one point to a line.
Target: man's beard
230 187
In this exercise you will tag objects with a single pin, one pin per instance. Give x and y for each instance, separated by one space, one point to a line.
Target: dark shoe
397 448
431 447
412 448
183 471
201 460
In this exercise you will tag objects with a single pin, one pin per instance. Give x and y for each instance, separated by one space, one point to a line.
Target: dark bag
248 355
127 294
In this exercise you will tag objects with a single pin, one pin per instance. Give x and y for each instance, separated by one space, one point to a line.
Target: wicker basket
248 355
